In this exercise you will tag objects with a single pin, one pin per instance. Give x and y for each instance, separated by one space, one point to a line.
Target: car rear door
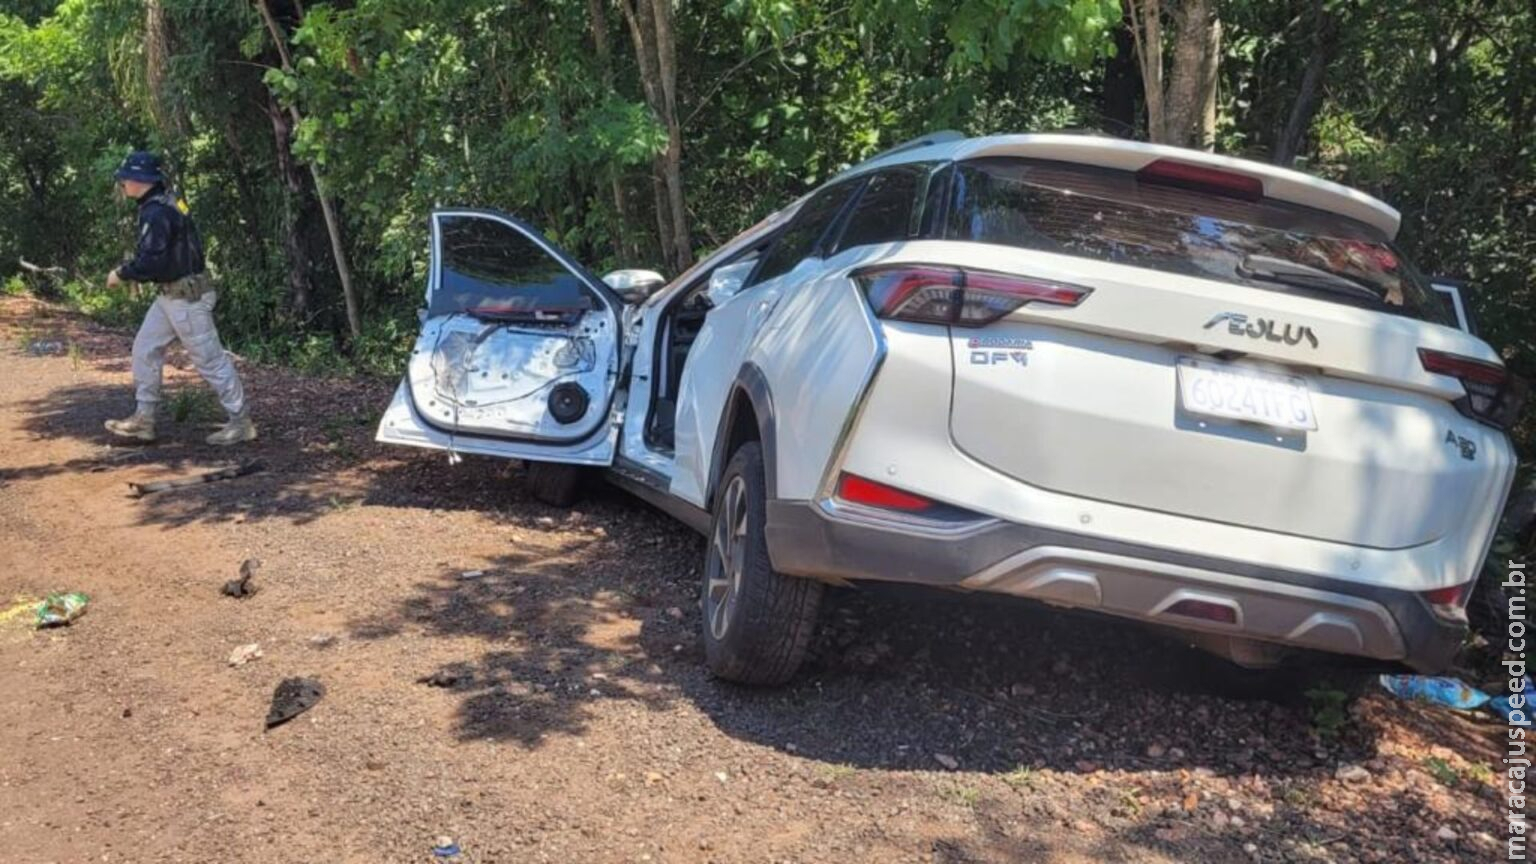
519 351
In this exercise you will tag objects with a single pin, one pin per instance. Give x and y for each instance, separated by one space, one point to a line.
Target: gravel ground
528 682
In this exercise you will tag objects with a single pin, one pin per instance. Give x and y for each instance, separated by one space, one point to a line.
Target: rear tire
757 622
555 483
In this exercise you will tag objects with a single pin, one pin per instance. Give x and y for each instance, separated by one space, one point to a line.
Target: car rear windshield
493 270
1109 215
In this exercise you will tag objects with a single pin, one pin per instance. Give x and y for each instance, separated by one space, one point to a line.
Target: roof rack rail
942 136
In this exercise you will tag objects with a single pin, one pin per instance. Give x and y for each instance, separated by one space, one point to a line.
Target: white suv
1196 391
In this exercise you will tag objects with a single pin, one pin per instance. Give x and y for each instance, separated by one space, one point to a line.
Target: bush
116 308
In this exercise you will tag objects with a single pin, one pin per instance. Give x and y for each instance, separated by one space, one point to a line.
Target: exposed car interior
680 326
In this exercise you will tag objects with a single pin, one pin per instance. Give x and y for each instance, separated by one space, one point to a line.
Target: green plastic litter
56 610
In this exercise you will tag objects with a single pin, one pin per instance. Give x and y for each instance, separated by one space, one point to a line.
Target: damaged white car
1199 392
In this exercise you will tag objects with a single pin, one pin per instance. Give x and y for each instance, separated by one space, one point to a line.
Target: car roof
1281 184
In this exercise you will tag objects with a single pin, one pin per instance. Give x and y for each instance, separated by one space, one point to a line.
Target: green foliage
118 308
193 405
1444 773
1330 712
411 104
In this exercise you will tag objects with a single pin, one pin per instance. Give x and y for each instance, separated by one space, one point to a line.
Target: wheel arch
748 416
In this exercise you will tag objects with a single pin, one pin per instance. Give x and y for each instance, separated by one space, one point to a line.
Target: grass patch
192 405
1022 777
834 773
1329 710
965 796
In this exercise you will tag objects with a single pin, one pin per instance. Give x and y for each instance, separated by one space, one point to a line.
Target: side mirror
633 286
726 281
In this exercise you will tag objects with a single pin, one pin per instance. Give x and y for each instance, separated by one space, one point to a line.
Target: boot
140 426
238 430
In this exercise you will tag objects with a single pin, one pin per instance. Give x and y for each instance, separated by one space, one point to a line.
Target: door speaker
568 402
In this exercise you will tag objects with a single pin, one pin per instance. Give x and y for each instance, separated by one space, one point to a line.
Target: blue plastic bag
1448 692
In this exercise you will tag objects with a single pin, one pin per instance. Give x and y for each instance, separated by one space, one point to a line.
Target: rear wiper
1267 268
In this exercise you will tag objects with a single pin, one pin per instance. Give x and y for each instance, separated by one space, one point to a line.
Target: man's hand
113 280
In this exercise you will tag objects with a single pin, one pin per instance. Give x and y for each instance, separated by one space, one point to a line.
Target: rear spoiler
1279 183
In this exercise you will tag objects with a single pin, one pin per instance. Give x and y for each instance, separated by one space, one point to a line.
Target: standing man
170 255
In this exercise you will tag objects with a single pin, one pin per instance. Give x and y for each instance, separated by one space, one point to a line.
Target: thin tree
1181 103
650 27
332 225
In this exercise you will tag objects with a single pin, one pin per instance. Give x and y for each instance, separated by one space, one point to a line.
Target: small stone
1175 754
675 613
1237 821
1351 774
1447 834
322 640
471 574
1251 848
244 654
792 747
652 778
722 776
946 760
1156 751
1172 834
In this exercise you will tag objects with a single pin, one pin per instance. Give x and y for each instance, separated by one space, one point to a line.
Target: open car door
519 349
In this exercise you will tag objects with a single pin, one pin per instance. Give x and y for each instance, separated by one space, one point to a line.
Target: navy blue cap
141 165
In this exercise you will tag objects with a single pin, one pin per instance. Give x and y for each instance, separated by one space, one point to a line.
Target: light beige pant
191 321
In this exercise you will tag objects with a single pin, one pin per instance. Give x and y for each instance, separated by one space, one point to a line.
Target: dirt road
577 725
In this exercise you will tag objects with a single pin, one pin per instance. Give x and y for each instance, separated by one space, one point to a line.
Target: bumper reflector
1205 610
858 490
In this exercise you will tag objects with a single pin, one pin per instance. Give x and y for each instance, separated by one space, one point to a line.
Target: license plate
1239 393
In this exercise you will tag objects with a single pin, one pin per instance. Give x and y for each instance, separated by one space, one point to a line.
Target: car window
801 237
1109 215
489 267
884 211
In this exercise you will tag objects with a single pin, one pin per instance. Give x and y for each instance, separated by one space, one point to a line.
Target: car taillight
1494 396
1202 178
858 490
951 295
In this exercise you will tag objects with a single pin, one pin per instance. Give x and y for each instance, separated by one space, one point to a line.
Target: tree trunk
620 231
1119 104
1310 93
332 224
1189 110
666 57
294 247
1147 32
650 27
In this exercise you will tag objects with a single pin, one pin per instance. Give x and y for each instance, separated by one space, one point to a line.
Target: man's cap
141 165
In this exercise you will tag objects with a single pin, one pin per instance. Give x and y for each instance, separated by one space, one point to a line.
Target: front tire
757 622
555 483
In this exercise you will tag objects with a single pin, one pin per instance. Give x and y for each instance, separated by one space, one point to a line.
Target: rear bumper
838 543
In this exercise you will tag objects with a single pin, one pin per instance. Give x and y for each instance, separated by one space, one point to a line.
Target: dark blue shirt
169 246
